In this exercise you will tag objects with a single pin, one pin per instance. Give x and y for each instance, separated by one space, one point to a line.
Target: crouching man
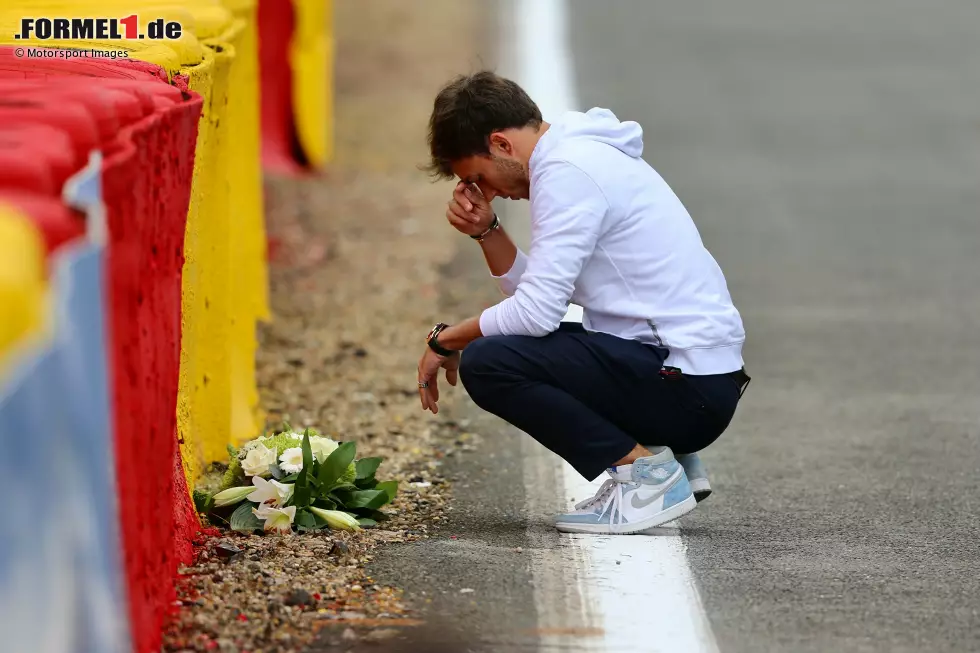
655 368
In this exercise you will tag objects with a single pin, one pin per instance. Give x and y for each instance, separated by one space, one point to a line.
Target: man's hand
469 211
429 366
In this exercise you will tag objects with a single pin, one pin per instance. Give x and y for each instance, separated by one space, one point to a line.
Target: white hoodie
608 234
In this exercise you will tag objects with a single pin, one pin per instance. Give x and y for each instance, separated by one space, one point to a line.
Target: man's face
495 175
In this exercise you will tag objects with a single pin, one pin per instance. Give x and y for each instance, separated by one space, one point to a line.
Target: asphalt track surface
830 155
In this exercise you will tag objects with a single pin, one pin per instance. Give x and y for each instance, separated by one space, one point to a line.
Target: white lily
270 492
322 447
279 520
231 496
291 460
336 519
258 461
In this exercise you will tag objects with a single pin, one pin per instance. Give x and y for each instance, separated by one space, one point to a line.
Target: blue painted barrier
61 582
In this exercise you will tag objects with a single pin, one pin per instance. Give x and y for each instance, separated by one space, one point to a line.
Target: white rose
258 460
322 447
291 460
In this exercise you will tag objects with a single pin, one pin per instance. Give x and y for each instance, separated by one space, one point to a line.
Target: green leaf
301 496
366 522
326 504
243 519
371 499
289 479
342 497
379 516
366 483
202 501
336 463
307 451
390 487
305 519
366 467
301 491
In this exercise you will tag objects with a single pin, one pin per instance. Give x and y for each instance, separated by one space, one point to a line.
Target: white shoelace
611 494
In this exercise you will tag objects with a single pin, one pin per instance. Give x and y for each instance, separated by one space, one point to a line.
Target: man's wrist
494 225
433 341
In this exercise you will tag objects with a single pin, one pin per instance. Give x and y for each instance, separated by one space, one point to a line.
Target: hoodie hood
597 124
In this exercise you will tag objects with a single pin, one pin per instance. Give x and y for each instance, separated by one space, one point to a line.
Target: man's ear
500 144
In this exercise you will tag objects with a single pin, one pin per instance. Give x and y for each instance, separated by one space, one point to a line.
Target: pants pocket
713 398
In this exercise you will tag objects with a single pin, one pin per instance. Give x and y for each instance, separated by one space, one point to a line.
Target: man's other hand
469 211
428 374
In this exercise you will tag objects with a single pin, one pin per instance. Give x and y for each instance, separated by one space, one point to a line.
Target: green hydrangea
280 442
234 475
350 474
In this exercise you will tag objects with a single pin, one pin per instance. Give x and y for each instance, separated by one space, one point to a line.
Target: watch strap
493 225
433 341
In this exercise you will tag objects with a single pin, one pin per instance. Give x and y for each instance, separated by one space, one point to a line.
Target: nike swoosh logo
639 503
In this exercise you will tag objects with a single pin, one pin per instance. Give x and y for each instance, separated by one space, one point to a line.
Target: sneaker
696 474
652 491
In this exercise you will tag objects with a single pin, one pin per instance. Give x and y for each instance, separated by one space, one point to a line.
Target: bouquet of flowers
298 480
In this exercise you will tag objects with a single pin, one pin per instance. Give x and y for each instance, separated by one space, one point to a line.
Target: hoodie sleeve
508 281
566 219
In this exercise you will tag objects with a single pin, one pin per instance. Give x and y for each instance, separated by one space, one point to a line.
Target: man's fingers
452 375
457 209
461 225
476 195
461 198
427 401
431 400
454 219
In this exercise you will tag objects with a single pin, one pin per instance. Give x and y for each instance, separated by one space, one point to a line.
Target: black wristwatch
493 225
434 343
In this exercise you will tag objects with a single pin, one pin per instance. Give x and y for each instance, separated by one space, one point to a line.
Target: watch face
432 333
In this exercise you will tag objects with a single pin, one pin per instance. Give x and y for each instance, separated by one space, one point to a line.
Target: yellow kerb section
23 290
311 56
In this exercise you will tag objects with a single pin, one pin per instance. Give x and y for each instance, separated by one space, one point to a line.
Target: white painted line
637 589
543 65
543 57
642 584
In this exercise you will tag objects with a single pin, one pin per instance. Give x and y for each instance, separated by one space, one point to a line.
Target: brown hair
470 108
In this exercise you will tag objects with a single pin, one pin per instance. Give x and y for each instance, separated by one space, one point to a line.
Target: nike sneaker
652 491
696 475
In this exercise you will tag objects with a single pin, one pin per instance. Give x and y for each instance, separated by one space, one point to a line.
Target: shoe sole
701 489
662 517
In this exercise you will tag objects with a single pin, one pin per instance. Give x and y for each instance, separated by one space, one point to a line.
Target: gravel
355 256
